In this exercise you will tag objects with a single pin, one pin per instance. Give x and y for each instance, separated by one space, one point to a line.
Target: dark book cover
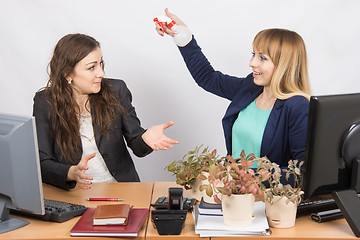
85 227
210 208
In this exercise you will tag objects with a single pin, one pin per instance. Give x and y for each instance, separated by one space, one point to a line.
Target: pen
104 199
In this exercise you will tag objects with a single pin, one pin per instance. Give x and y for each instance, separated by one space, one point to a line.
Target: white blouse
96 166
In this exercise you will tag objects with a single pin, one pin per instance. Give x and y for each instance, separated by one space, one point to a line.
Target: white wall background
152 67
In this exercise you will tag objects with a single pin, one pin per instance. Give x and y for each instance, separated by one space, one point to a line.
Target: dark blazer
112 148
285 132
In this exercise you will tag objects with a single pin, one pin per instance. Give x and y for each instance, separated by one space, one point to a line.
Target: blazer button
105 155
113 173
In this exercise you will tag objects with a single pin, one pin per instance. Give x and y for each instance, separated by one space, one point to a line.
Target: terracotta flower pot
238 209
279 213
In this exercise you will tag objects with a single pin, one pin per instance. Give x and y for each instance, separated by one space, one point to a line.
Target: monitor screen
20 176
332 153
325 165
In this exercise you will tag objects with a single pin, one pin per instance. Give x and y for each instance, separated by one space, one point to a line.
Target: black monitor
20 176
332 153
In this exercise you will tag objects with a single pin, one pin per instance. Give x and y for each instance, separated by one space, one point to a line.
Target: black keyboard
162 203
57 211
305 208
318 206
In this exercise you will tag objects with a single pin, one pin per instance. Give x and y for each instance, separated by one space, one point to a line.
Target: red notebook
84 227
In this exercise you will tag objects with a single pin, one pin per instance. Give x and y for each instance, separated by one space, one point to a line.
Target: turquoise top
248 130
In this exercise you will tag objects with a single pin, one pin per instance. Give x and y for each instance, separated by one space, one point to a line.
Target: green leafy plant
192 164
272 171
236 176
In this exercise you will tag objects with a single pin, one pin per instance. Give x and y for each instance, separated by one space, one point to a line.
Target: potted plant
281 200
190 166
207 159
241 184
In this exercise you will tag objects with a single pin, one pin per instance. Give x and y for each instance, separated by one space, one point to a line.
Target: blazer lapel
238 103
271 127
242 101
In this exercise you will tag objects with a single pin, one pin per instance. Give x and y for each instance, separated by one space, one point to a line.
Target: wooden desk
304 228
141 195
307 229
188 232
137 194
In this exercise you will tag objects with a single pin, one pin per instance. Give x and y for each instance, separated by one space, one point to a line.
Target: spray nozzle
164 19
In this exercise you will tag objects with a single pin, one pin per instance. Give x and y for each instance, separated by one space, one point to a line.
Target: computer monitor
20 176
332 153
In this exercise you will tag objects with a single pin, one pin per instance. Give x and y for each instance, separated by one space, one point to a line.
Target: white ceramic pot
238 209
279 213
195 191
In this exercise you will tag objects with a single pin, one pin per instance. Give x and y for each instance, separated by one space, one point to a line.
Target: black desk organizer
171 221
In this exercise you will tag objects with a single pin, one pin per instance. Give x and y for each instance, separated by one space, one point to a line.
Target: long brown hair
288 53
105 104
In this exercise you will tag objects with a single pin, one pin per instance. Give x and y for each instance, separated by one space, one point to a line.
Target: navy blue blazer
285 132
112 147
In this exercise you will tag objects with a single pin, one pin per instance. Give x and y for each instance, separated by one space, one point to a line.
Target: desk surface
188 232
304 228
141 195
137 194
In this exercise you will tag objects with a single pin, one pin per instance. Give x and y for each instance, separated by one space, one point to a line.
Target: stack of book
110 221
210 208
209 221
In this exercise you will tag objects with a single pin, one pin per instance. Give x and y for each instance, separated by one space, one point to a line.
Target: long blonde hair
288 53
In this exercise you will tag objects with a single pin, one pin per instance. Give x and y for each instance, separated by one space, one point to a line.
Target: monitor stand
8 223
349 202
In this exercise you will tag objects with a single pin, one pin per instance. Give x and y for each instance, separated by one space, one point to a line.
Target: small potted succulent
240 185
191 166
281 200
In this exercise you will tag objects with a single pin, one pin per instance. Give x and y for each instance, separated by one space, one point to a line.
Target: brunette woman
85 121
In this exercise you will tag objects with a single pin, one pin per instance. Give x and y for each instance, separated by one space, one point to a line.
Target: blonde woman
268 112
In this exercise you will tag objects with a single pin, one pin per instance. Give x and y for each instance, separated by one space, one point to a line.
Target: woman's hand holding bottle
173 26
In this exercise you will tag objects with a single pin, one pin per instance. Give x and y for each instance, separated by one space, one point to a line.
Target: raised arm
200 68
